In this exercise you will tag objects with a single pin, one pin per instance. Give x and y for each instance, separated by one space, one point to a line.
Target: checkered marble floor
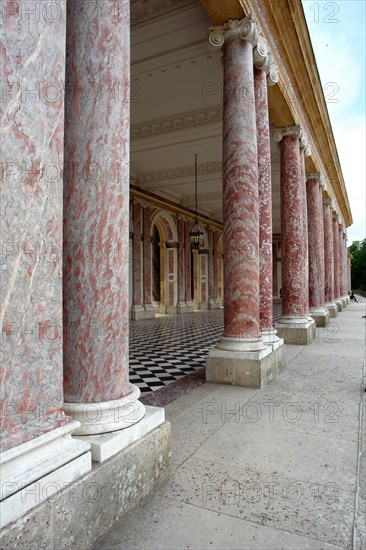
167 348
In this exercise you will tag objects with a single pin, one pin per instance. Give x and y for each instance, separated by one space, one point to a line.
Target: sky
337 32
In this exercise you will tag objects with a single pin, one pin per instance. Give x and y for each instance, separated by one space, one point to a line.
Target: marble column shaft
210 265
187 261
316 243
341 264
336 258
305 240
328 252
265 200
294 258
33 55
137 298
215 265
96 206
240 195
147 289
181 254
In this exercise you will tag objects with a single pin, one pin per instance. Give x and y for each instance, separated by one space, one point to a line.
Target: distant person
353 297
280 292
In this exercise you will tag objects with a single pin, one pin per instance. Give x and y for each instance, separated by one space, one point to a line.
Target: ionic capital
314 176
295 132
141 202
328 201
248 30
245 29
318 177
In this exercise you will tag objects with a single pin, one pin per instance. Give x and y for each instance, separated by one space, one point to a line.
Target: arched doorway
164 243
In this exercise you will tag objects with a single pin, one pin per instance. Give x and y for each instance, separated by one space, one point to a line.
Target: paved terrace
275 468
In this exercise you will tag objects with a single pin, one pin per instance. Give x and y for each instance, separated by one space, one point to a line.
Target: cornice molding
246 29
142 10
181 122
175 173
210 196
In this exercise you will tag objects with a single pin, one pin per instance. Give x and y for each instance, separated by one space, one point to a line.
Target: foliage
358 266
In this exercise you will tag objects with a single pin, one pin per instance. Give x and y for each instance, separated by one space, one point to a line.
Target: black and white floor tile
167 348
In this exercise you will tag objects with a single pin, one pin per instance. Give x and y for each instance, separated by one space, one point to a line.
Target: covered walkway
265 469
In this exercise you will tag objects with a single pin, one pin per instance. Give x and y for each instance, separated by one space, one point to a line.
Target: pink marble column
210 266
96 220
242 357
215 267
240 200
181 273
295 325
314 190
31 226
336 261
274 269
305 240
265 204
187 263
328 258
294 261
137 297
37 450
147 290
342 263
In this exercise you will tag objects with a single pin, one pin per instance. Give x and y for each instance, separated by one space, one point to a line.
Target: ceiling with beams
176 106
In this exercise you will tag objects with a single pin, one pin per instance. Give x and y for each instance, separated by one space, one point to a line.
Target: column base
348 300
107 416
339 304
142 312
78 515
270 338
104 446
251 369
214 304
333 310
185 307
203 305
344 301
171 309
320 315
296 330
36 470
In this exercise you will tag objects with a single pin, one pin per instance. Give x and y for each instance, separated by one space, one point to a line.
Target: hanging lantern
195 234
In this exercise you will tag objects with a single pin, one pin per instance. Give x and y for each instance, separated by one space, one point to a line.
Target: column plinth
241 357
96 224
295 325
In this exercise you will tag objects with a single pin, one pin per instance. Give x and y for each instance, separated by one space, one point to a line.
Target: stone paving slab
273 483
164 524
314 509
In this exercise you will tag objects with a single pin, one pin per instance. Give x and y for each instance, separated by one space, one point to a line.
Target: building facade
105 105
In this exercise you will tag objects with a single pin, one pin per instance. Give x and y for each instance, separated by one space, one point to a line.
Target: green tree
358 265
